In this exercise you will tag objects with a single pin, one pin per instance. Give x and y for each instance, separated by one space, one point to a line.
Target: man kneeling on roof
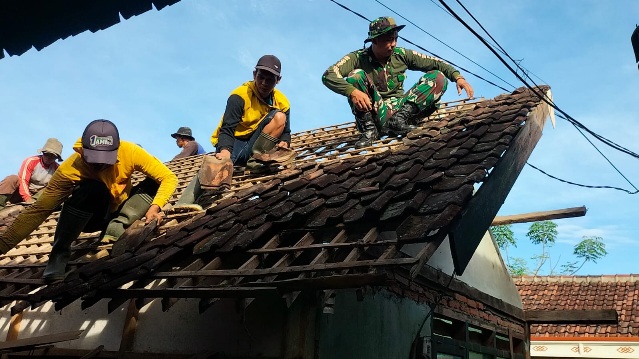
95 186
35 172
254 131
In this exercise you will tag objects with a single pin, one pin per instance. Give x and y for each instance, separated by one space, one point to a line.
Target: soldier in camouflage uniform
373 80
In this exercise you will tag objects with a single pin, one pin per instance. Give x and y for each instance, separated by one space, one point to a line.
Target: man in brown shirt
185 140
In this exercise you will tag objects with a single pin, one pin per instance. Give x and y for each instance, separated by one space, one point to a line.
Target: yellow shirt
254 110
117 178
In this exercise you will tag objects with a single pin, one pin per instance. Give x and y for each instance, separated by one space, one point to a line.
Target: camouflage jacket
388 79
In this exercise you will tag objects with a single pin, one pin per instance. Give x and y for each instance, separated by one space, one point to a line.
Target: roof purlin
483 207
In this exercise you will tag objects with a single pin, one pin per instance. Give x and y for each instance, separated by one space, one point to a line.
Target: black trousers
93 196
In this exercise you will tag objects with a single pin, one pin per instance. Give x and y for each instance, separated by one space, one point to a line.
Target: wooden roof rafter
281 274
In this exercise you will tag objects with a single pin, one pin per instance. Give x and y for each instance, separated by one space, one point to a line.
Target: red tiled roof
331 220
618 292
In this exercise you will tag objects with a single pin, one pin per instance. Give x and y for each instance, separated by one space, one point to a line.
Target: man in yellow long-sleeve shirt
95 186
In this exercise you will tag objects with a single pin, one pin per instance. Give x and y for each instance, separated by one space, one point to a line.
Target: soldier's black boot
400 122
366 126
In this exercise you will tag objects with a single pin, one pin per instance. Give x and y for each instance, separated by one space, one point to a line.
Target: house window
455 339
475 355
447 356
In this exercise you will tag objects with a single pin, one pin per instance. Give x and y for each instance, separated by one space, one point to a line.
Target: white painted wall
181 330
584 349
100 328
486 270
222 328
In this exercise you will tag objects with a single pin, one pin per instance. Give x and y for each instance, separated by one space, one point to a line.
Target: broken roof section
337 218
31 23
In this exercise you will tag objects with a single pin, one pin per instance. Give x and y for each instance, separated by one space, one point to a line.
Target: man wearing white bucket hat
35 172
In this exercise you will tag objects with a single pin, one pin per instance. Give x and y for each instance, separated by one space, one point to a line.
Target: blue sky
161 70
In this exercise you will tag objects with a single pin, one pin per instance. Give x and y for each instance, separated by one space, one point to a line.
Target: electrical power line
423 49
445 44
545 98
579 184
503 51
518 64
579 126
525 72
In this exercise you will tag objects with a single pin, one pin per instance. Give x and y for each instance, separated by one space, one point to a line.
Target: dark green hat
380 26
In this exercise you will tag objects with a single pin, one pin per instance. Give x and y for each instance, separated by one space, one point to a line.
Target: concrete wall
382 325
485 272
181 330
587 348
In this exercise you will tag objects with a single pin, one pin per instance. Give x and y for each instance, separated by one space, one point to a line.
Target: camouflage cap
380 26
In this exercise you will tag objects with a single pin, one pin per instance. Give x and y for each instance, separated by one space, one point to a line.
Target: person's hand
463 84
361 101
153 213
223 155
283 144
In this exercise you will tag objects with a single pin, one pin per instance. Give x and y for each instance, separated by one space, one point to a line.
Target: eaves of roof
35 23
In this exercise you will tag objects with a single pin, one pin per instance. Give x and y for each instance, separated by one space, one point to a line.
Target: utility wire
434 305
579 184
503 51
423 49
445 44
347 9
444 10
543 96
517 63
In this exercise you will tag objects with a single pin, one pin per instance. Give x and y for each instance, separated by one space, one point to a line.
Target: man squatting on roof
35 172
374 83
184 139
94 184
256 119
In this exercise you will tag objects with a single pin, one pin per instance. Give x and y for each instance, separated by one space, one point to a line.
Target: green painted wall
381 326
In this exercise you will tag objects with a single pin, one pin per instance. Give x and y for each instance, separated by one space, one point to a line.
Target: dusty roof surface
32 23
329 221
618 292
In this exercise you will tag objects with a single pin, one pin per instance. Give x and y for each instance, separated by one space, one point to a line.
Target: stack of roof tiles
336 218
618 292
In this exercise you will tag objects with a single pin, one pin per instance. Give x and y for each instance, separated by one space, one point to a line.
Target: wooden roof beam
540 216
476 218
592 316
29 343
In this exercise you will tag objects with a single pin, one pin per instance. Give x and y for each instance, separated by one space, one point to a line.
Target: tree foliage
544 234
504 236
590 249
517 267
